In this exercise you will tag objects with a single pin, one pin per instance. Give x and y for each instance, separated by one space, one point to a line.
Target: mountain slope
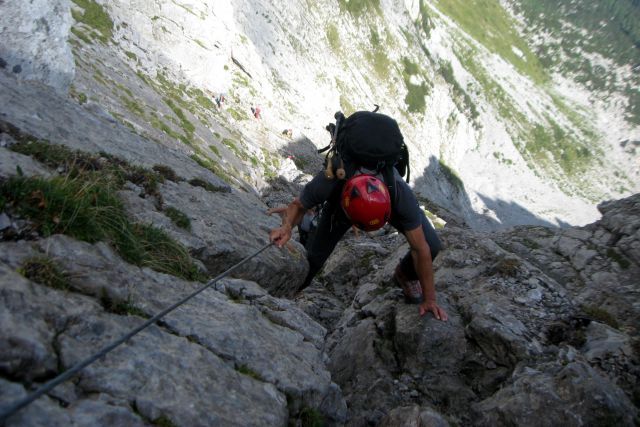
482 108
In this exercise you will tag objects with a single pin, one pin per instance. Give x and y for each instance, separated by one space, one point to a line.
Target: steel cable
11 409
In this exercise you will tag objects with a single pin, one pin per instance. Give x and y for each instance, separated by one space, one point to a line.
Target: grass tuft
601 315
121 308
507 267
178 218
96 17
87 208
197 182
245 370
167 172
44 271
615 256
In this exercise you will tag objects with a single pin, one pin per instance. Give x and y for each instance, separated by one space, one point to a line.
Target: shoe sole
407 299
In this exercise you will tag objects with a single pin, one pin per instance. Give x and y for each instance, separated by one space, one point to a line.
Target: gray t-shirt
405 212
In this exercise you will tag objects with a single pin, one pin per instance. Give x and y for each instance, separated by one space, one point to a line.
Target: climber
364 200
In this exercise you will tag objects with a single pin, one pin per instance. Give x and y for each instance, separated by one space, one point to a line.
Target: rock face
543 324
214 353
33 42
520 341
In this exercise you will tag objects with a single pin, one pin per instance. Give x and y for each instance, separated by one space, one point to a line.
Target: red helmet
366 202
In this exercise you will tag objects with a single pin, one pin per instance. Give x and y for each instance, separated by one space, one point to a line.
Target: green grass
615 256
76 163
213 166
163 421
245 370
451 175
215 150
546 145
239 153
167 173
87 208
84 204
377 55
81 35
333 37
460 97
308 417
424 20
178 218
131 55
133 106
96 17
345 103
601 315
122 307
358 8
416 94
197 182
617 37
186 125
572 157
44 271
488 22
201 44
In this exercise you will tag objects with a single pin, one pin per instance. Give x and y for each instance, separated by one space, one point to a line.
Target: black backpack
366 139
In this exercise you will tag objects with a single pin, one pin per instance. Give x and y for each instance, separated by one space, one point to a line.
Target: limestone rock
572 395
211 325
33 42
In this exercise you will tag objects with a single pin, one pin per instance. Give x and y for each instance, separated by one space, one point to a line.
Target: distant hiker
220 99
361 198
256 112
288 133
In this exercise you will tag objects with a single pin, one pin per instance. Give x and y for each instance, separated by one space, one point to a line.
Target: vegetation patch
333 36
86 207
377 56
133 106
502 159
215 150
83 204
245 370
186 125
163 421
424 21
78 163
543 145
213 166
96 17
507 267
44 271
490 24
555 143
197 182
600 315
451 175
167 173
308 417
122 307
178 217
358 8
460 97
81 35
615 256
616 38
416 93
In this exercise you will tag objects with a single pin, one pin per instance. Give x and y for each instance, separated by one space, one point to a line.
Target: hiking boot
411 289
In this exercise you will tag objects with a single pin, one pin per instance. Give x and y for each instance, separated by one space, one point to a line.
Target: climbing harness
11 409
